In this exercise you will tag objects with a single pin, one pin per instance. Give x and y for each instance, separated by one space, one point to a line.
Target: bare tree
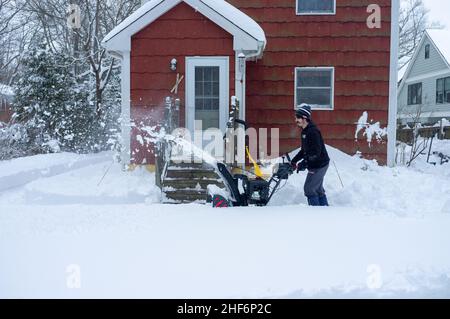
418 144
12 29
413 21
98 17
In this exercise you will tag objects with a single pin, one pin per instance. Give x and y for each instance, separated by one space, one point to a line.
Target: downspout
249 56
240 84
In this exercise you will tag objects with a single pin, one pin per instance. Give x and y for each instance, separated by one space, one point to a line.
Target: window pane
215 74
215 89
199 104
305 6
208 89
440 85
207 71
207 96
314 78
314 87
447 84
198 74
415 94
215 104
314 97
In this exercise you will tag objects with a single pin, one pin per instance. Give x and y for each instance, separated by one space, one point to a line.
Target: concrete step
192 173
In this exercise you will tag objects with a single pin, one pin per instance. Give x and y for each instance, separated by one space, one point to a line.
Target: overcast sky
439 11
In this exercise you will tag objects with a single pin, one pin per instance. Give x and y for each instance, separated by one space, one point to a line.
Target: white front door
207 92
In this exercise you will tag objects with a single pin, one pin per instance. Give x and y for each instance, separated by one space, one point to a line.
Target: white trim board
247 34
393 84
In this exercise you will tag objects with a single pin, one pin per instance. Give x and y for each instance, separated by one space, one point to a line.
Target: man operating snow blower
312 156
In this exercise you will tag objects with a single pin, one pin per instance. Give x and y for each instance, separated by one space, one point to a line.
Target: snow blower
244 191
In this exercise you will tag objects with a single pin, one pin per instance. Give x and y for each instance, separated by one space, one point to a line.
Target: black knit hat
304 110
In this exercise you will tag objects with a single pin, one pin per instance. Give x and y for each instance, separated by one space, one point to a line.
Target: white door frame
224 75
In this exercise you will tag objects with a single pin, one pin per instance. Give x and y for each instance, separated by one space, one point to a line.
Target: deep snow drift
386 235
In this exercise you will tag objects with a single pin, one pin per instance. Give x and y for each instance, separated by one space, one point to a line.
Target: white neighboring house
425 85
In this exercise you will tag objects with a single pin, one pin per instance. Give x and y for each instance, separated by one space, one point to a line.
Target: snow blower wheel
220 202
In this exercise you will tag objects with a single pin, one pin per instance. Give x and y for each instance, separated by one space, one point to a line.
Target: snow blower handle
287 157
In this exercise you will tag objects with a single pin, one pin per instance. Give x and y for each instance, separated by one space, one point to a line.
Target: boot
313 201
323 201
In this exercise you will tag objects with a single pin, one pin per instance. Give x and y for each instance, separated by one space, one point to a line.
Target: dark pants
314 182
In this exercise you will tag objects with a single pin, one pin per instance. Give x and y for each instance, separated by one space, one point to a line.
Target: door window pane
207 96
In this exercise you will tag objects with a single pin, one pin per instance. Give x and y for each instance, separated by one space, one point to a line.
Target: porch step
185 196
192 183
188 182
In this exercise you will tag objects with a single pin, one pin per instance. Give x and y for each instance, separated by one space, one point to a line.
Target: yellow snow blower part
256 167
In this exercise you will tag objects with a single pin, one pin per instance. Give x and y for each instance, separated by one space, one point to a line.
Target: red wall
5 110
360 55
179 33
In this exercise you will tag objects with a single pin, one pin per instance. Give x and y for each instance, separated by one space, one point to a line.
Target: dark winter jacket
313 148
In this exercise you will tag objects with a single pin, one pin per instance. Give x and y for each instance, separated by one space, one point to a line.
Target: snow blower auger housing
245 191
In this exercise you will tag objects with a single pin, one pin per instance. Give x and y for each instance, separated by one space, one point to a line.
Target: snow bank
17 172
422 189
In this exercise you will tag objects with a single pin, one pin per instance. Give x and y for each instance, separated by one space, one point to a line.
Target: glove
302 166
294 166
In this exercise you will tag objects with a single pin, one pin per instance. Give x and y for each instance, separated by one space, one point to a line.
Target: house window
443 90
305 7
427 51
415 94
315 86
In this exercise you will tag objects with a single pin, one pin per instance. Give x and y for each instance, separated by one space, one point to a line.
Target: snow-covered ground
97 231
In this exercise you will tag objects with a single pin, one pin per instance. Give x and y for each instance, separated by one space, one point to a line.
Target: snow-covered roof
6 90
136 15
219 11
402 71
441 39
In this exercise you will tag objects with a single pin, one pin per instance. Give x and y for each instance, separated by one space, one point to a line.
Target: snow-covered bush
13 141
51 104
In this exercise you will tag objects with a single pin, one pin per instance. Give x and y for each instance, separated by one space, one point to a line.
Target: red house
6 96
271 55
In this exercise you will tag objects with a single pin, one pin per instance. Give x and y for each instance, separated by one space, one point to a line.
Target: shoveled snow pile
98 231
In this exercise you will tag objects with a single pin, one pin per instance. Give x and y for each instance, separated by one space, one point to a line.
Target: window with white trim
443 91
315 86
305 7
415 94
427 52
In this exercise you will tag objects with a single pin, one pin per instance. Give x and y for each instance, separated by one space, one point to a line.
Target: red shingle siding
361 57
5 110
179 33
